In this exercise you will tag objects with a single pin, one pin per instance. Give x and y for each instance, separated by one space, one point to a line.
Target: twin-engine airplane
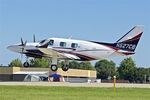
70 49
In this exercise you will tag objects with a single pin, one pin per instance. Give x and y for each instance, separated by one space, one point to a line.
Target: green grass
71 93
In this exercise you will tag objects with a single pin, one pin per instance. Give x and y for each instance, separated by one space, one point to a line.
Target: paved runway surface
125 85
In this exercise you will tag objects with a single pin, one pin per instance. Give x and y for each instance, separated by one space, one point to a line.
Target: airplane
81 50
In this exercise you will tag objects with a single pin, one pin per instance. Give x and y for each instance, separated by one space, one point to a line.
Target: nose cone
14 48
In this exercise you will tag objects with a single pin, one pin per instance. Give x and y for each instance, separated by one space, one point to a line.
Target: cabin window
63 44
51 42
74 45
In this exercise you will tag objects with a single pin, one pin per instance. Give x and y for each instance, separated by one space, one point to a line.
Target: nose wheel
26 64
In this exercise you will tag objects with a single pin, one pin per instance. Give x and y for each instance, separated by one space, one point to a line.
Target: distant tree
1 65
38 62
74 65
148 76
127 69
86 65
105 69
15 63
140 75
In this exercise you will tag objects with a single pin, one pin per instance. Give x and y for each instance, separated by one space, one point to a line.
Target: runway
66 84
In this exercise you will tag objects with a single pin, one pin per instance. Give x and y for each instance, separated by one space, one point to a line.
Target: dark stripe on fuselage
128 45
34 53
64 48
110 45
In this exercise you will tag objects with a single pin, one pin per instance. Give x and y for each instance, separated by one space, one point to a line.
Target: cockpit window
63 44
51 42
42 41
74 45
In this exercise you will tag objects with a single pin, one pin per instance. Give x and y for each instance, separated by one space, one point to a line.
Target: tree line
106 69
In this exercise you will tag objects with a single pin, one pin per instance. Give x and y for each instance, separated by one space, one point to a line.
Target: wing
49 52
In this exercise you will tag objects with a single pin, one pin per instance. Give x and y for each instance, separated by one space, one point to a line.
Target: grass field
71 93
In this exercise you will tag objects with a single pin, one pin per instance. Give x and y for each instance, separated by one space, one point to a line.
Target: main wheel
54 67
26 64
65 67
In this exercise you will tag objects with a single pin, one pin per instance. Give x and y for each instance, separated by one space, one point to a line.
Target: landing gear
54 64
26 64
65 67
54 67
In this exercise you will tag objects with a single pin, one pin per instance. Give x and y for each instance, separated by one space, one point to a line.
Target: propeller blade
34 38
25 43
22 41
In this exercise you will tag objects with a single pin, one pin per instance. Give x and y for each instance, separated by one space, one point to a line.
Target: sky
98 20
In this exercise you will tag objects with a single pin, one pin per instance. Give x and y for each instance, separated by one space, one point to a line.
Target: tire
54 67
26 64
65 67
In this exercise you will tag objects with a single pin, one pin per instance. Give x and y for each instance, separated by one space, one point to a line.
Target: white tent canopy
32 78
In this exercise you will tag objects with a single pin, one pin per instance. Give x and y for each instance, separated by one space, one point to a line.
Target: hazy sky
99 20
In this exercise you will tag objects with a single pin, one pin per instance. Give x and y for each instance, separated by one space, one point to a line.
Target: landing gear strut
54 64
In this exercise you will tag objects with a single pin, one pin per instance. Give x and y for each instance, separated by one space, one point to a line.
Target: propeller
23 44
21 41
34 38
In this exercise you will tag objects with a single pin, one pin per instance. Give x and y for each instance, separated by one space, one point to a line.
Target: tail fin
130 40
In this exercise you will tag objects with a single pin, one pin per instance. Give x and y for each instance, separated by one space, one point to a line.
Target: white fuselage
85 50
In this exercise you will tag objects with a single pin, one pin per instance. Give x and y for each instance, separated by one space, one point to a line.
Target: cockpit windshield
42 41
